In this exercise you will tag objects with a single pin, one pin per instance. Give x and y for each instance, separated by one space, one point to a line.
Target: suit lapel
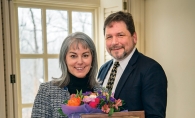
128 70
104 72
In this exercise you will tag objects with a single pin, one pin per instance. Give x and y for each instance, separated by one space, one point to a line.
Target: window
41 30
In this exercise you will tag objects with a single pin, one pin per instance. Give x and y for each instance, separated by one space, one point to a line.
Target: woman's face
78 60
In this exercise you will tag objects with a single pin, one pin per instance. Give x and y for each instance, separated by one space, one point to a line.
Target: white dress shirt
123 63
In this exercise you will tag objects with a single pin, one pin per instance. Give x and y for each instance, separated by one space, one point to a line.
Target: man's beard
119 57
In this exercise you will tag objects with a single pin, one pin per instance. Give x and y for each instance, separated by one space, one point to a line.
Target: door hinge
12 78
124 5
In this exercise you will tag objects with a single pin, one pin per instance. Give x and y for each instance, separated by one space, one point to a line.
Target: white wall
170 39
106 7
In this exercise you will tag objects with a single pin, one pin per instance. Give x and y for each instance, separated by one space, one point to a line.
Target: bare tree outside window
82 21
57 29
30 31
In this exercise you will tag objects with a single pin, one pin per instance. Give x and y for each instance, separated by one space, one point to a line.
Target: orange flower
74 101
105 108
72 96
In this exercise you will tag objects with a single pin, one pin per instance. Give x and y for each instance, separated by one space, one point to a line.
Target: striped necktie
112 76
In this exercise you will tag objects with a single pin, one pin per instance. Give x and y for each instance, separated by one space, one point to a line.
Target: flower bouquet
91 102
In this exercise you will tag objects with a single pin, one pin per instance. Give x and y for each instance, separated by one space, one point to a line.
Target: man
140 81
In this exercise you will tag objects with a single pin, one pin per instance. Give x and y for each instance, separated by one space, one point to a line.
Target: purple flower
87 93
102 97
112 99
99 92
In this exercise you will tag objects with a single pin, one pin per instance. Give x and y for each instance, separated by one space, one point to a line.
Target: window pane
26 112
30 30
53 69
31 77
82 21
57 29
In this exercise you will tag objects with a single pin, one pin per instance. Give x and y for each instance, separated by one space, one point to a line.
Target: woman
78 63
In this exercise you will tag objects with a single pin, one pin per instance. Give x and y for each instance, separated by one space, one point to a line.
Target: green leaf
65 102
123 102
109 95
111 112
61 112
102 102
77 93
80 92
117 110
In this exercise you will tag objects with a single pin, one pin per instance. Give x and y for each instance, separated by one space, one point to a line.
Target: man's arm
154 92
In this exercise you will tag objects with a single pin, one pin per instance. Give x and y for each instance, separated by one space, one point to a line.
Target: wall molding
136 8
62 3
9 57
2 71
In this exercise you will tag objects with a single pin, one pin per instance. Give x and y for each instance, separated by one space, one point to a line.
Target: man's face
119 41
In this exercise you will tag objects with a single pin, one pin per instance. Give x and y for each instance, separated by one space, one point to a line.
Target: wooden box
129 114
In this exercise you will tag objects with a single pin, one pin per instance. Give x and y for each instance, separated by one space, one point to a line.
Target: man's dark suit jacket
142 86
